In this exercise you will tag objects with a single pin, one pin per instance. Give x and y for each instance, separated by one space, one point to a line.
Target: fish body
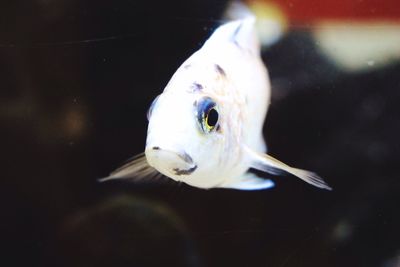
205 129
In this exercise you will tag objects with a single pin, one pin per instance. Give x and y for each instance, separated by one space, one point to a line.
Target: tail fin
237 10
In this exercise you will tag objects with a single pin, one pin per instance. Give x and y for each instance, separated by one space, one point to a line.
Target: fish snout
170 162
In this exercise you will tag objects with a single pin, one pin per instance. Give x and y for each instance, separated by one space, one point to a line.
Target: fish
206 128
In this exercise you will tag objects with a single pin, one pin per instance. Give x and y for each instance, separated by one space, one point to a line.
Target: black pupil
212 117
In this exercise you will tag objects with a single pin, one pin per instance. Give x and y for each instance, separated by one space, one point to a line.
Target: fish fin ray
267 163
136 169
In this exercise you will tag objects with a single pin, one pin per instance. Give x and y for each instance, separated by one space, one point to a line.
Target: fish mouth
169 162
184 172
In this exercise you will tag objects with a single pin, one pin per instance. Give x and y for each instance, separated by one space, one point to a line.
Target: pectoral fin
249 181
136 169
273 166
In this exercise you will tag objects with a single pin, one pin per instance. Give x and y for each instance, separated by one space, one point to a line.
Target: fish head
186 140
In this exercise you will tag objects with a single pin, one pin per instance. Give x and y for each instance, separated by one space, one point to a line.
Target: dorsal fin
240 32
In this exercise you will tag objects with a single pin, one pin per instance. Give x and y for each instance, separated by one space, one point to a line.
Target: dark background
76 80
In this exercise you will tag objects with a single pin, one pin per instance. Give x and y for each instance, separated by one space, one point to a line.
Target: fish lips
172 163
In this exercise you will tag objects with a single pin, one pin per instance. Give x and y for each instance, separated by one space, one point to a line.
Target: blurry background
77 77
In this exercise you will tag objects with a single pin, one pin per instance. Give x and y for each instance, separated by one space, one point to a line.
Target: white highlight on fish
205 129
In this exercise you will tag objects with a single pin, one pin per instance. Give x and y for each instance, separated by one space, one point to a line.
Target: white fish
205 129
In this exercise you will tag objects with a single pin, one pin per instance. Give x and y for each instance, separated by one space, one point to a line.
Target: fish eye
152 107
211 118
207 114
